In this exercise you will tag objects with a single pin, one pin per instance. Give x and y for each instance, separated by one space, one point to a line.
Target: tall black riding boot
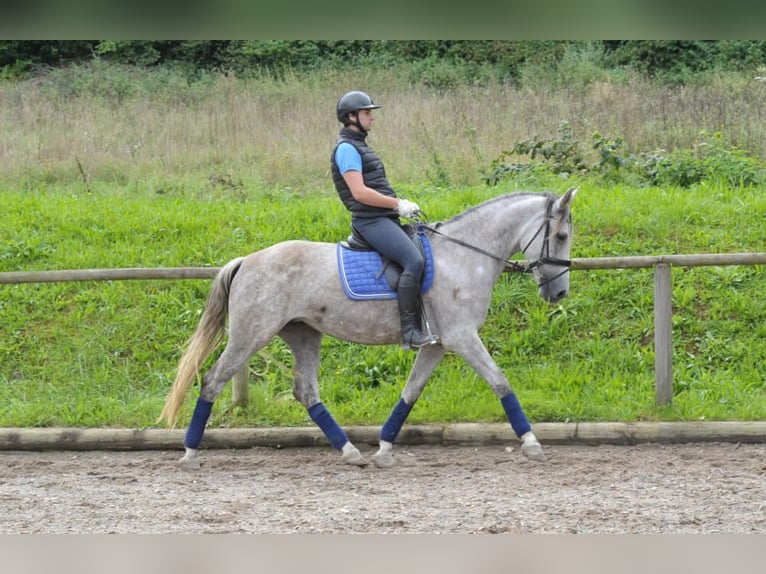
409 309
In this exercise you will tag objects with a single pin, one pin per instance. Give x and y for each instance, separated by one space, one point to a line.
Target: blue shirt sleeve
347 158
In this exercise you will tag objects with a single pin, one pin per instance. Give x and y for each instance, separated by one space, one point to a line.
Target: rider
360 180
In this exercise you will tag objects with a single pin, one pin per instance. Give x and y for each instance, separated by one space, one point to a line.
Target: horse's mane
500 198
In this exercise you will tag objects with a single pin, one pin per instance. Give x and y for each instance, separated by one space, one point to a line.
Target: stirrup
428 340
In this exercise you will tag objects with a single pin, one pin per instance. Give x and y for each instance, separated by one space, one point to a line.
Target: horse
292 290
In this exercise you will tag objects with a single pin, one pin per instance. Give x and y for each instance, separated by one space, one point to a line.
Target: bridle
544 259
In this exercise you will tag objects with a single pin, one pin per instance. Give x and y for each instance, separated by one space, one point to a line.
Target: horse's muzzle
551 294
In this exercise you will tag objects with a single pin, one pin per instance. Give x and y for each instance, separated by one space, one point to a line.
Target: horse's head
548 250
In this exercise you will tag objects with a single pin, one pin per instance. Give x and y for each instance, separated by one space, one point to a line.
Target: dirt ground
648 488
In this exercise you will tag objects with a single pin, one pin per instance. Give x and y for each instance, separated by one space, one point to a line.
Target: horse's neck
496 225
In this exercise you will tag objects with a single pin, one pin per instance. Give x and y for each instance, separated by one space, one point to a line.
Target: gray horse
292 290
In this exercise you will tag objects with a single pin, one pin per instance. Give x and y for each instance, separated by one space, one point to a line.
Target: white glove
407 209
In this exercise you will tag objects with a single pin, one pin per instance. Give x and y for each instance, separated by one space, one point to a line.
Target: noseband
544 259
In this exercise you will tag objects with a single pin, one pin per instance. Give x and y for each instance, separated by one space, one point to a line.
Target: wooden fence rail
662 264
109 274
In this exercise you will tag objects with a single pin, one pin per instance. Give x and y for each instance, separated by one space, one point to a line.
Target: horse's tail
209 334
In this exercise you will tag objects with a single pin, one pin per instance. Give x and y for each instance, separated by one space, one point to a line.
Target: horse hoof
383 459
189 463
533 451
354 457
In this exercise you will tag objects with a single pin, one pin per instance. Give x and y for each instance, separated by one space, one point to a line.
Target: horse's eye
562 235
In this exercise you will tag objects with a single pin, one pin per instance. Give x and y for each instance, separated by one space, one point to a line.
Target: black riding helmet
351 103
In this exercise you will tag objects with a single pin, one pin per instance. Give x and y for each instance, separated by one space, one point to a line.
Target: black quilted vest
373 174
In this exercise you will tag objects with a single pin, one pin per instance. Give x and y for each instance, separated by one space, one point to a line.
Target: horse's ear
564 201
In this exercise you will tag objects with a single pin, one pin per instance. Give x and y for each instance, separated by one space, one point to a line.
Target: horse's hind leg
231 360
425 363
305 344
475 354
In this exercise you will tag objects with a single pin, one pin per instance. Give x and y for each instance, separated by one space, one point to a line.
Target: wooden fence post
663 338
240 393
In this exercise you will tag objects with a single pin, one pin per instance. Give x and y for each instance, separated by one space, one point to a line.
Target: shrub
714 160
725 163
561 156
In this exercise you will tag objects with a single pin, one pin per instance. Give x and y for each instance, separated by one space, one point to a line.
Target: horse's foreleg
530 446
475 354
425 363
305 344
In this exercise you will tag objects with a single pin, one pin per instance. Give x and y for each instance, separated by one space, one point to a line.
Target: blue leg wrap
196 428
322 417
516 416
395 421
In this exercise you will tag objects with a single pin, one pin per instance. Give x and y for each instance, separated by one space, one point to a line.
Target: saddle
365 274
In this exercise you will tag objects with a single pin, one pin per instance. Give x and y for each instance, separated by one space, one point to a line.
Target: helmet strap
356 122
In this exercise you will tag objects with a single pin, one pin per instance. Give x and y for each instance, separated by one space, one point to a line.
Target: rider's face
365 119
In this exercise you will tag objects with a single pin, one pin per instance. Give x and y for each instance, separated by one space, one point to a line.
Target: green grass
204 172
100 354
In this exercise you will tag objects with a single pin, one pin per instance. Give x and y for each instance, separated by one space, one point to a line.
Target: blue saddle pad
362 277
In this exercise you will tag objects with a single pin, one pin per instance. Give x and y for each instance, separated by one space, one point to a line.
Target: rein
544 258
